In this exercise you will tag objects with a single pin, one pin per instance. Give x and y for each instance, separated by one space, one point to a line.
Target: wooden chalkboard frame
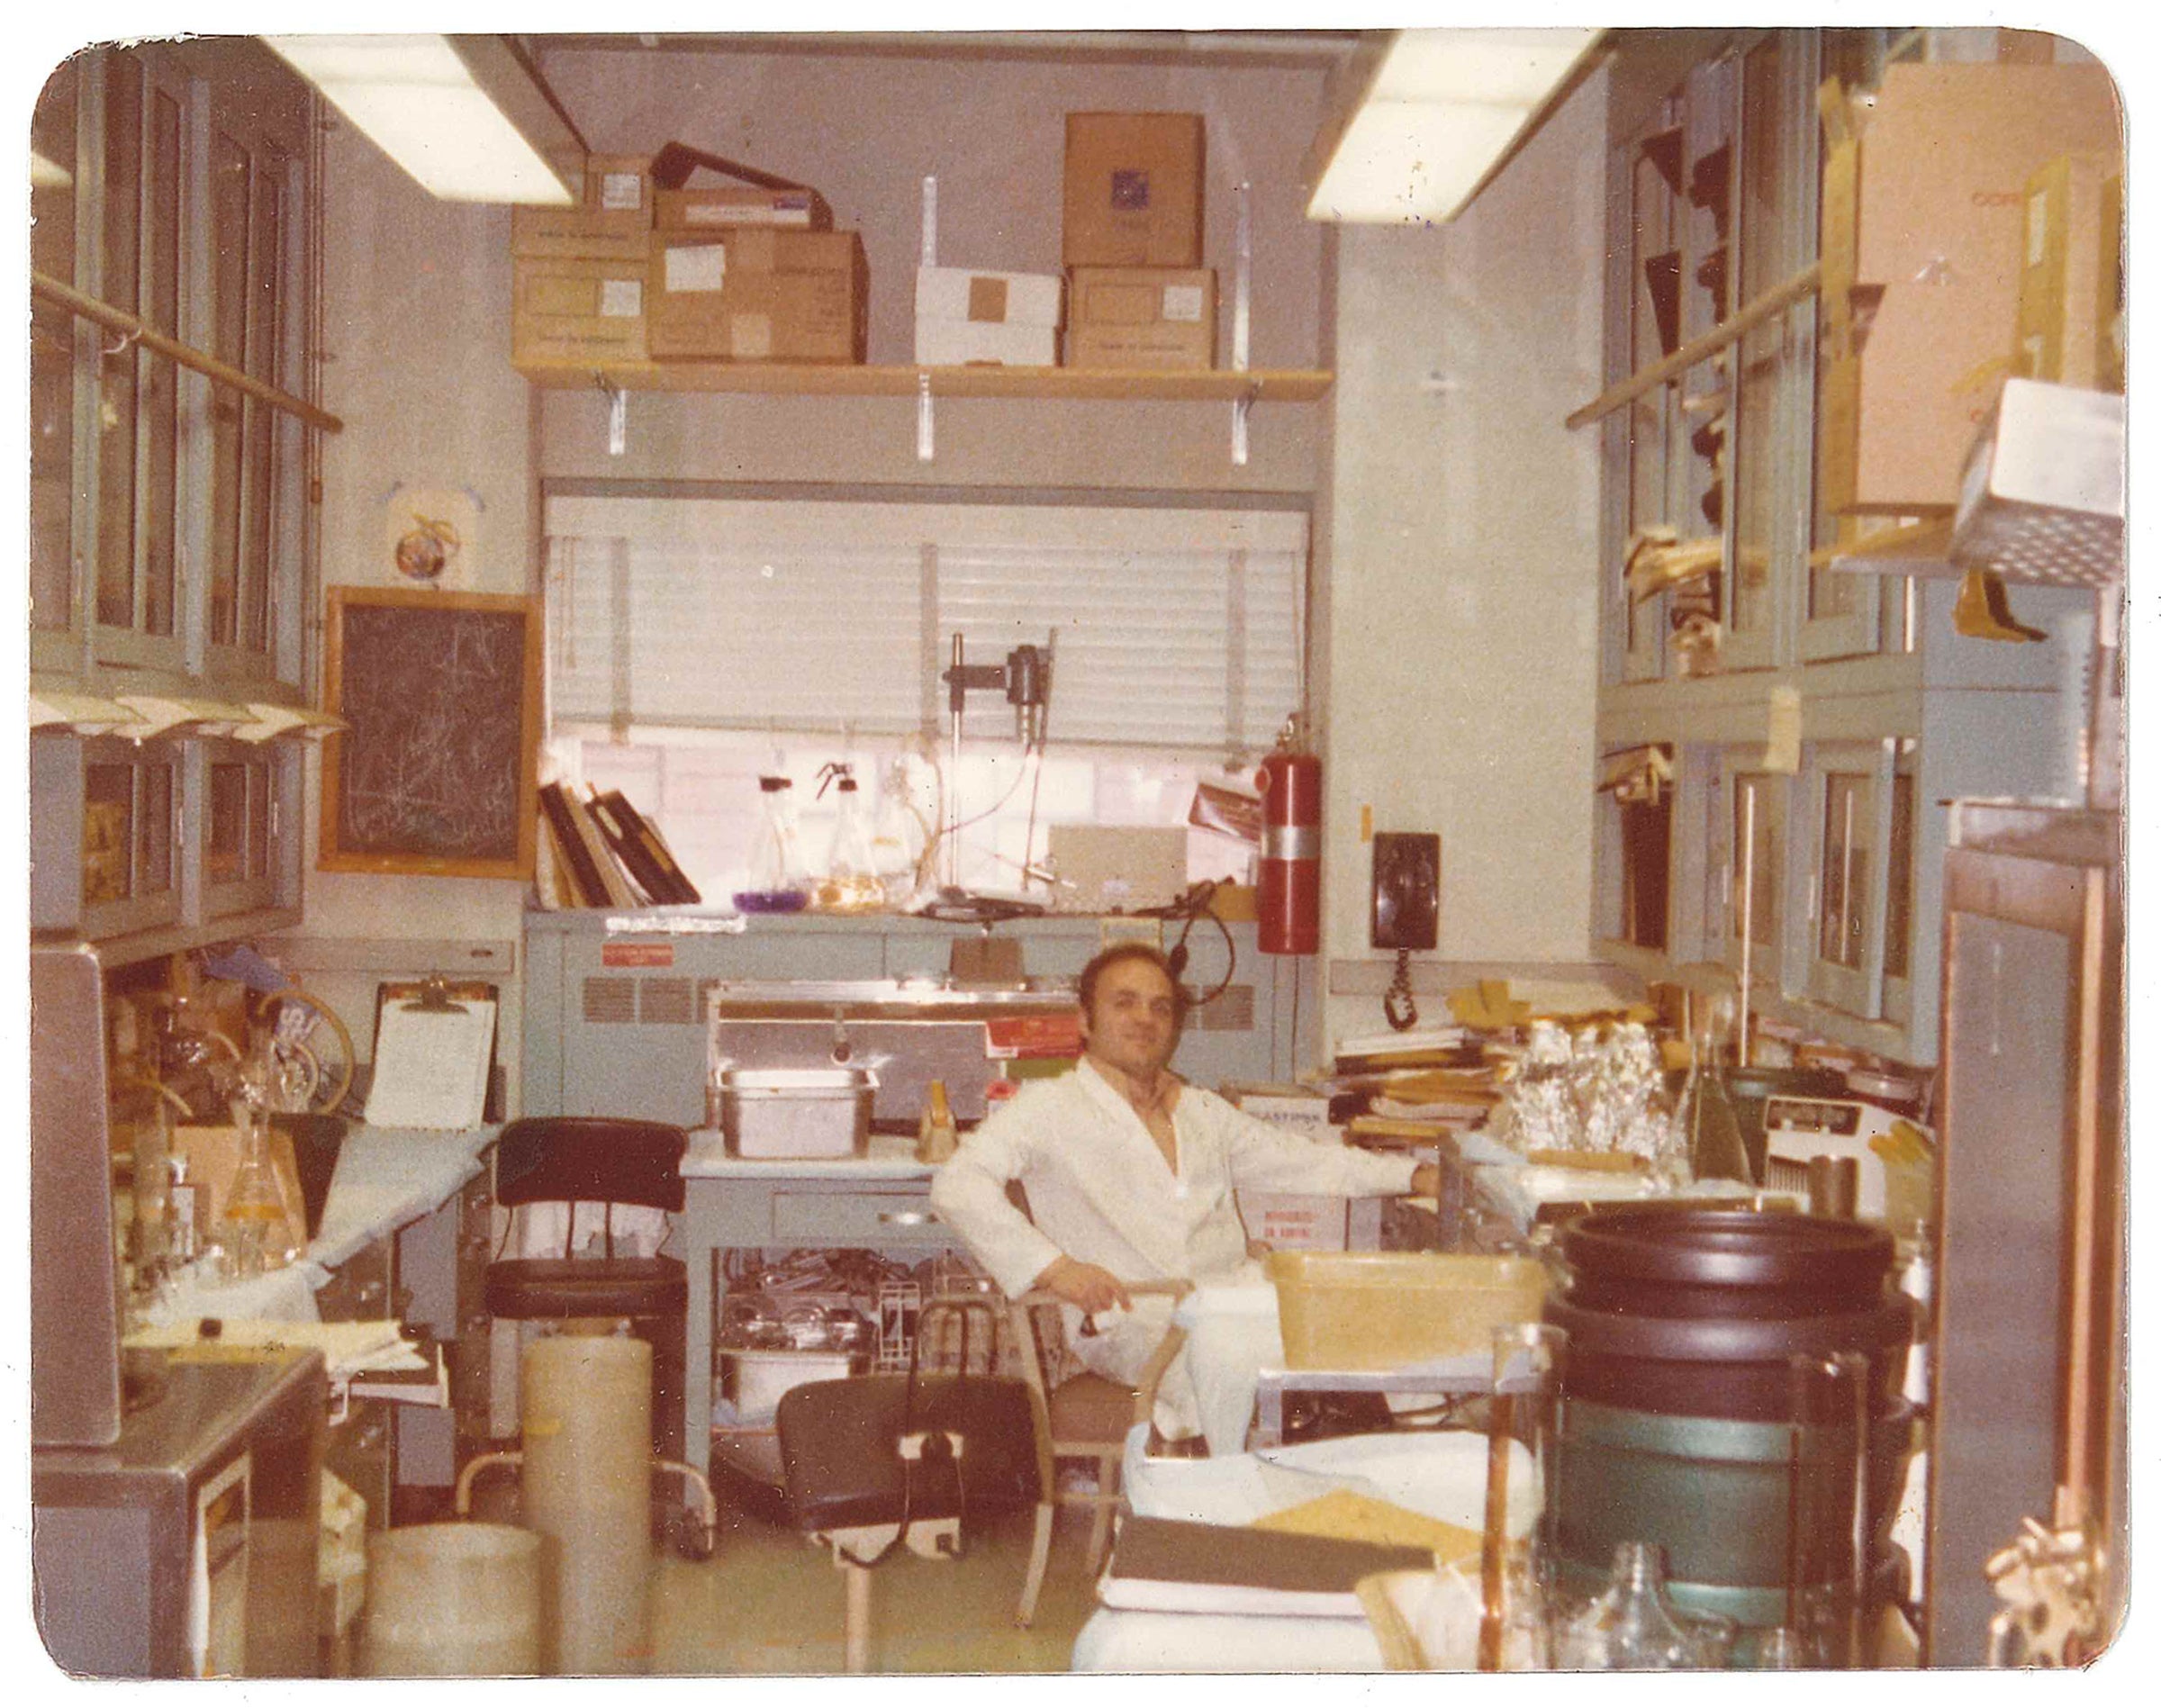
511 772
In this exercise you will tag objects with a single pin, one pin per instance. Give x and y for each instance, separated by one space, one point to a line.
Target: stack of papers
431 1065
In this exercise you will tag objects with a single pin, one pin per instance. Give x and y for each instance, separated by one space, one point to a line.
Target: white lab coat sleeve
1267 1158
969 1194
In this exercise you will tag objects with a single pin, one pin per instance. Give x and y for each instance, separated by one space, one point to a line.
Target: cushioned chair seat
553 1287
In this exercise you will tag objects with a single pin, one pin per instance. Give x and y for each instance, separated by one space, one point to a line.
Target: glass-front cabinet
1777 734
171 547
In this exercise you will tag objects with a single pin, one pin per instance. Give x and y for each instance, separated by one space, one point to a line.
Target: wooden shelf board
1271 386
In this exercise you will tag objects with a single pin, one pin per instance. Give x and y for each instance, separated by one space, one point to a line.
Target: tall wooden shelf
1215 386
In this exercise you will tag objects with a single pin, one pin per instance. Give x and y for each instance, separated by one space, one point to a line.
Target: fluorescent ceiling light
463 115
1437 116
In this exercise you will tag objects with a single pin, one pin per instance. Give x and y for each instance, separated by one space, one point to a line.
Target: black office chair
591 1159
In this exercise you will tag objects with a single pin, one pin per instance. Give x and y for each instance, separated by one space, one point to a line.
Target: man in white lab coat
1129 1174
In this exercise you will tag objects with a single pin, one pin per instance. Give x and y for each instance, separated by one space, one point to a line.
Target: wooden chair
1086 1417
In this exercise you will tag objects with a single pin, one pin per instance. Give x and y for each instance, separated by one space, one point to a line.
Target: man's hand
1085 1285
1425 1180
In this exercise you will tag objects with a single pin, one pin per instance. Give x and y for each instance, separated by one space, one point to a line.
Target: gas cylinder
1290 780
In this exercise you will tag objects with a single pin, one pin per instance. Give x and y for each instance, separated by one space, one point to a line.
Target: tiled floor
769 1603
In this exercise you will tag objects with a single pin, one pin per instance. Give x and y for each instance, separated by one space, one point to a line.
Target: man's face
1133 1023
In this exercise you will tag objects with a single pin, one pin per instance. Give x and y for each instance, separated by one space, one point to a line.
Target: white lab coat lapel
1157 1224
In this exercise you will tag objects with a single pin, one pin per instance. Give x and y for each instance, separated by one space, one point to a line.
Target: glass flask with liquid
778 882
850 882
254 1236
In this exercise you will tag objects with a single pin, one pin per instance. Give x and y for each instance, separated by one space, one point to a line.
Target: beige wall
1463 579
414 291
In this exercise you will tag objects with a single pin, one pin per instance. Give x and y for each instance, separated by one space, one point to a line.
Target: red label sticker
1032 1035
637 954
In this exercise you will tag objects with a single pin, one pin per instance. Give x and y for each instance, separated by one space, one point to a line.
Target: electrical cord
1196 904
1399 1005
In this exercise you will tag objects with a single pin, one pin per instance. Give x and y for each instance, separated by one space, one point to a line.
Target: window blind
1174 629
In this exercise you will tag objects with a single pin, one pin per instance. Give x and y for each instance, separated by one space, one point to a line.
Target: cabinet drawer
899 1217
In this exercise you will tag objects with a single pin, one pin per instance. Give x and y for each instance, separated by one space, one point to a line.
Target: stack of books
598 851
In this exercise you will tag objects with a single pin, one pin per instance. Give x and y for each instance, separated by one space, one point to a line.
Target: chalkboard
436 771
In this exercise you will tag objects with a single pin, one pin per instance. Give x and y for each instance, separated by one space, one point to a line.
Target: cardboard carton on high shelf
1145 318
714 207
576 312
752 294
2071 289
967 316
1133 189
610 225
1923 217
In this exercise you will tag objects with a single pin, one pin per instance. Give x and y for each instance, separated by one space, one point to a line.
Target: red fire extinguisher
1290 782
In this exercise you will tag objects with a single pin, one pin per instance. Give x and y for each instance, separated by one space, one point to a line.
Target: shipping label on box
1133 189
611 223
984 343
752 293
1142 318
1007 299
717 206
577 310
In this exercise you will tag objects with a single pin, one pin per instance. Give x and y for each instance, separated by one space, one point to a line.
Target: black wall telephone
1406 890
1406 911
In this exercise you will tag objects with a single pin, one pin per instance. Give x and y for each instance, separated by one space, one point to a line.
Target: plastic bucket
452 1600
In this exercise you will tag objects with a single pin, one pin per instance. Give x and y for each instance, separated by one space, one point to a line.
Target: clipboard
435 1054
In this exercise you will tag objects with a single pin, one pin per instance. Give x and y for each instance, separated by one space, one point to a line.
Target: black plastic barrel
1681 1421
1697 1313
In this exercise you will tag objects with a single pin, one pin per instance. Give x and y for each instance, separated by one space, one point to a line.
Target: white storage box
989 299
1008 320
959 343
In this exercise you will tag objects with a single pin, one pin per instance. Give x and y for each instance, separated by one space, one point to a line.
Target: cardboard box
1133 189
2069 291
1002 299
965 316
984 343
1148 318
756 294
577 311
1116 868
610 225
1923 217
718 206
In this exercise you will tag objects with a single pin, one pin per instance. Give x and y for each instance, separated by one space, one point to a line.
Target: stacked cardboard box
750 269
1140 297
578 273
756 293
1004 319
1922 219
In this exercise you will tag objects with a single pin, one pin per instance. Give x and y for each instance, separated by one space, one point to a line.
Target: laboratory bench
404 1234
